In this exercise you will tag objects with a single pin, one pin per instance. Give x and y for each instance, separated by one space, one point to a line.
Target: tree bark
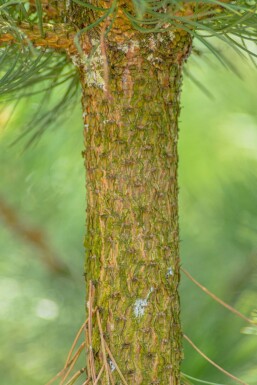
131 88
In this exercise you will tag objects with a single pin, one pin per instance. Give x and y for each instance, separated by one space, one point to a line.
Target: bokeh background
42 219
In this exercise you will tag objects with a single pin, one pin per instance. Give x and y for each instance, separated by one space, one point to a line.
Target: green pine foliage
24 67
235 23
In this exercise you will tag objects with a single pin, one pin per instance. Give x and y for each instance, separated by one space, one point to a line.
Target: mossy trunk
131 92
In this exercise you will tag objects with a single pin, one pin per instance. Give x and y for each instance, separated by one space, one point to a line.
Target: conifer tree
128 57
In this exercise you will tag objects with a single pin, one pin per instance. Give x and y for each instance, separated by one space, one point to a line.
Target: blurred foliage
218 216
41 311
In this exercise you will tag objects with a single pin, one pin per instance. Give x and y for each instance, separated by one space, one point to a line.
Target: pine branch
33 236
57 36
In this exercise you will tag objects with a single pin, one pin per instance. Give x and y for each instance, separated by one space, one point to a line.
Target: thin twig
99 376
103 346
76 356
217 299
75 376
74 342
87 345
56 377
115 364
86 382
87 354
213 363
90 330
69 363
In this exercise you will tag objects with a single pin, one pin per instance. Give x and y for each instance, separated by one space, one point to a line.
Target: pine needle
200 381
217 299
214 363
75 342
115 364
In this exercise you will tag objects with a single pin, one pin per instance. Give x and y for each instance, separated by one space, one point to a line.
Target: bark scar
127 80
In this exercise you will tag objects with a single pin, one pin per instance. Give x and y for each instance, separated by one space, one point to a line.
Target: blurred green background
43 189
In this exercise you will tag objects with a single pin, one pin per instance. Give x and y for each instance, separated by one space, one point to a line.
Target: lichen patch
139 307
169 272
92 64
112 366
140 304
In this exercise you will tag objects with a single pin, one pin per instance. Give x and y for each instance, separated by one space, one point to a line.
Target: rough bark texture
131 91
58 37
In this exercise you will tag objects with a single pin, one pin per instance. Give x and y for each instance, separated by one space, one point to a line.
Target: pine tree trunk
131 91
